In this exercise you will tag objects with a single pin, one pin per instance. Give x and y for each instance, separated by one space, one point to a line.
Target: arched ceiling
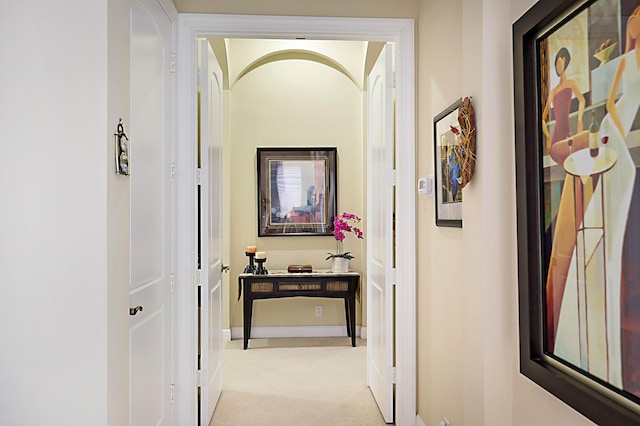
239 57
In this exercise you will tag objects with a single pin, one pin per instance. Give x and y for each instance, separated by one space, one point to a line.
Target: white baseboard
226 334
303 331
419 421
363 333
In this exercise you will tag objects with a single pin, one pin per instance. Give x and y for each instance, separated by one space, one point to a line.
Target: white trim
399 31
419 421
171 11
294 331
363 333
226 335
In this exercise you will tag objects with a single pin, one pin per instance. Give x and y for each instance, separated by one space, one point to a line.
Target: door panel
211 231
150 145
380 338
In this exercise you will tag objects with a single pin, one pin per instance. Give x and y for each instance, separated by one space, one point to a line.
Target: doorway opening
221 26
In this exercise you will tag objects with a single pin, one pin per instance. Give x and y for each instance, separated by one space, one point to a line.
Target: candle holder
251 267
260 269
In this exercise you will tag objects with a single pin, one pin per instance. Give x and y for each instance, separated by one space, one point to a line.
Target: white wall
118 217
56 244
468 320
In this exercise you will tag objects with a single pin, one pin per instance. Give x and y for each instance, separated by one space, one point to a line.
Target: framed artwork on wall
448 187
297 193
577 96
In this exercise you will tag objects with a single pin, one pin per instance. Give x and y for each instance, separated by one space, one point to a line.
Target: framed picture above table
297 193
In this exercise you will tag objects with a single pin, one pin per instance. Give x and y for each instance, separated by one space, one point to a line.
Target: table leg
248 308
346 314
352 319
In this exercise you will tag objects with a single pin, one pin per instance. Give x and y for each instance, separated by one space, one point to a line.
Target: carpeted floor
303 381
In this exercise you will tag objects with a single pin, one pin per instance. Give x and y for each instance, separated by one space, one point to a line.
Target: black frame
450 217
312 219
585 394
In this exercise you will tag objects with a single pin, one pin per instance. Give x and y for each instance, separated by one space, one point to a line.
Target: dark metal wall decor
121 150
467 151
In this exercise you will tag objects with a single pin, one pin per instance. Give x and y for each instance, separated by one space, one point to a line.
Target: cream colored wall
468 368
353 8
291 103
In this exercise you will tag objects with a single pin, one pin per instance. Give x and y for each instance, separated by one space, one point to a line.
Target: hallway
301 381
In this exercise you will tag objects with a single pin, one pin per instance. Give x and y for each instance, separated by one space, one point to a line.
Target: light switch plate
425 186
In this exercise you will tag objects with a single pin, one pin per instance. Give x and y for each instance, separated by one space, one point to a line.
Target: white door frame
399 31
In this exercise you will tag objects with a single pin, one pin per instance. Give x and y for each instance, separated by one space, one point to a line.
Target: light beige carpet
303 381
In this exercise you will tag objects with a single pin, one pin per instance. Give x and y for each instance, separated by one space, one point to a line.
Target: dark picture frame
579 165
297 191
447 167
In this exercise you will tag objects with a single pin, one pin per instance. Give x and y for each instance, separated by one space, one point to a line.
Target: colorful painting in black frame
448 188
577 94
297 193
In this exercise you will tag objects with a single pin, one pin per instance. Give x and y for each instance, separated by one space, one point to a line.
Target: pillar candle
261 255
251 249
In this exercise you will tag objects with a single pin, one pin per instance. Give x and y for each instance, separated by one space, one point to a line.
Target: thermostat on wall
425 186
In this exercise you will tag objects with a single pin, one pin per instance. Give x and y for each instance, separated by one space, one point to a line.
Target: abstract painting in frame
297 192
577 96
448 188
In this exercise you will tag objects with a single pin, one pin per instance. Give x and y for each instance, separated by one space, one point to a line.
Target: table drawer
264 287
338 286
303 286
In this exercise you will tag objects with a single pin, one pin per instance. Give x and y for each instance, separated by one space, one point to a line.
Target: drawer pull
300 286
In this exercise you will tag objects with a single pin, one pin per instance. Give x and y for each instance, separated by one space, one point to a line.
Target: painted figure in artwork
604 349
560 97
454 173
559 145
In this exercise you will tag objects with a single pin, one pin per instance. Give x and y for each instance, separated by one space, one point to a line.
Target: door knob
224 268
133 311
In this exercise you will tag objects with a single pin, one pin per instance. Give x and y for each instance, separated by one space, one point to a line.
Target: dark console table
280 284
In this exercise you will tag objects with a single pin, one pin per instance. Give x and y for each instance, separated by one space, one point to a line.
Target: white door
380 314
210 241
150 134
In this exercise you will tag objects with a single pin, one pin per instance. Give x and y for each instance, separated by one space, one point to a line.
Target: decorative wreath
467 152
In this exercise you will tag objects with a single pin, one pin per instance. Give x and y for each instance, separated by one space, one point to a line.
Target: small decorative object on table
297 269
341 224
261 257
251 253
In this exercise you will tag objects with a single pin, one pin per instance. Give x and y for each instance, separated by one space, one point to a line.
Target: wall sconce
121 150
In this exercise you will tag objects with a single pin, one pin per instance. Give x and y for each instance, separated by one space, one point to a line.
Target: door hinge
394 275
391 375
202 378
172 393
391 80
172 65
172 283
199 277
198 176
394 177
172 172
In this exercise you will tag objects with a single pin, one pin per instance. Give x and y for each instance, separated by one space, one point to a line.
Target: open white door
210 241
380 160
151 209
